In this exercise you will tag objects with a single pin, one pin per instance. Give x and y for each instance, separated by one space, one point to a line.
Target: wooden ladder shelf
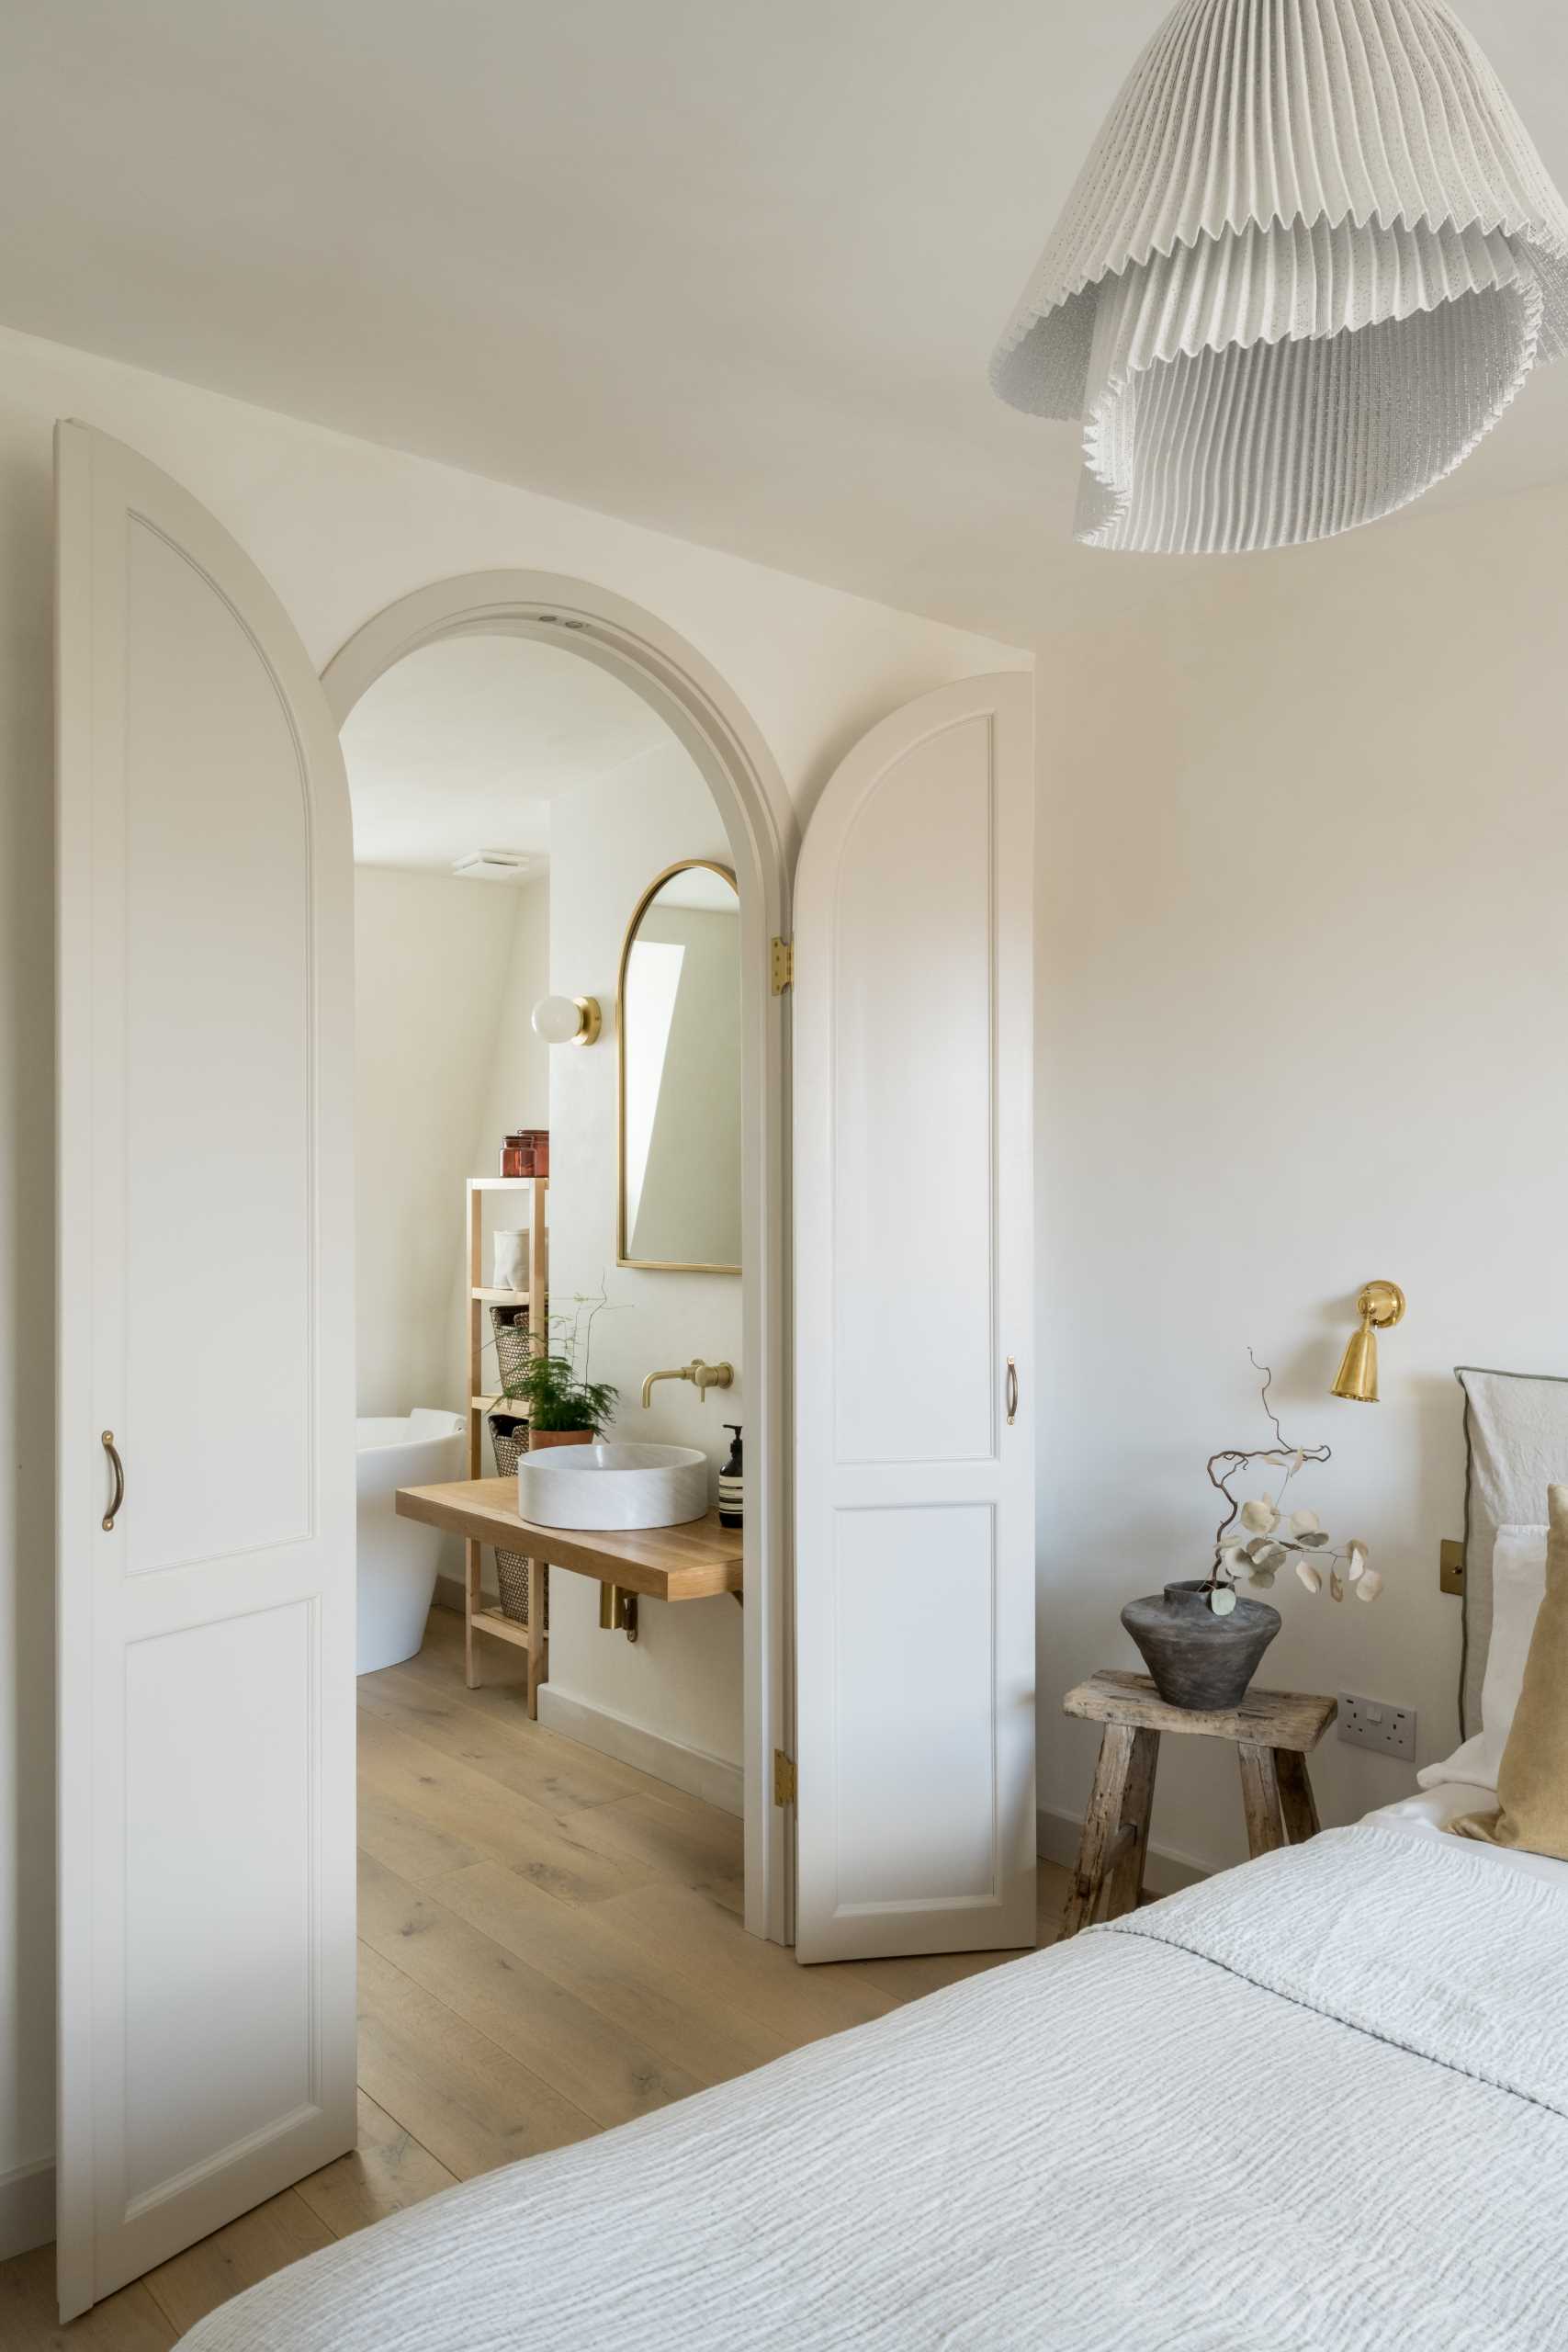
479 1616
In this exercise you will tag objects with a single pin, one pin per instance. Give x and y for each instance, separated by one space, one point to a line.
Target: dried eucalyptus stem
1281 1454
1271 1543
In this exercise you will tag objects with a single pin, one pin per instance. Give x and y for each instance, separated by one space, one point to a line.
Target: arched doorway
710 722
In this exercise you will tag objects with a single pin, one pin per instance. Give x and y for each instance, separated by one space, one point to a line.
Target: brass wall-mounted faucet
701 1376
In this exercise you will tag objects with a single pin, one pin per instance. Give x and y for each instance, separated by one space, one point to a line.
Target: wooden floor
550 1942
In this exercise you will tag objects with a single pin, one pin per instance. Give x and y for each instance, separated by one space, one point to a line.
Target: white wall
1303 970
432 956
680 1680
442 1070
341 528
517 1090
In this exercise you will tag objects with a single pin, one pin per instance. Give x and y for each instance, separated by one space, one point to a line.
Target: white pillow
1518 1584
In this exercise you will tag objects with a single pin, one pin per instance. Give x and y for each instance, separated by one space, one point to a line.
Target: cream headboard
1516 1427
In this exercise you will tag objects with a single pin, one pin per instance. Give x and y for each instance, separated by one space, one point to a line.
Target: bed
1320 2101
1316 2104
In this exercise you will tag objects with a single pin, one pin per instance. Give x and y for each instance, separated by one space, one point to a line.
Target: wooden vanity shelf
480 1616
688 1563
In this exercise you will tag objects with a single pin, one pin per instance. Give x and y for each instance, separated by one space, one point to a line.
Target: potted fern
564 1405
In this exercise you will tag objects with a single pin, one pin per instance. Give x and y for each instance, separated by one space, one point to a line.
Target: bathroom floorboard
550 1944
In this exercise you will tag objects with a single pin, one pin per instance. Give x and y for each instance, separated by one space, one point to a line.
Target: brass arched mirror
678 1039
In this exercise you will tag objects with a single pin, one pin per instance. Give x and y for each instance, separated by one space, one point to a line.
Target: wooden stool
1274 1732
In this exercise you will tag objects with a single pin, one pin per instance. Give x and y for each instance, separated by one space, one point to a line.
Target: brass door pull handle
1013 1392
113 1452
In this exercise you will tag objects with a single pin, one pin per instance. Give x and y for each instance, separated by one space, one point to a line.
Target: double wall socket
1372 1723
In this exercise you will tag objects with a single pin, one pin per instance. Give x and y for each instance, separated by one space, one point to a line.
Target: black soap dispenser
732 1485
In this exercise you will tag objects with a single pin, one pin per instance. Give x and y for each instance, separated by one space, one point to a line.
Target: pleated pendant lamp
1312 257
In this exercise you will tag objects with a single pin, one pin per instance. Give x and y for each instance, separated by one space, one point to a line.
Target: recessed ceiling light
497 864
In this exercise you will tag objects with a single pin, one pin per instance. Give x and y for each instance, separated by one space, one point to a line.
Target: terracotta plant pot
539 1438
1196 1659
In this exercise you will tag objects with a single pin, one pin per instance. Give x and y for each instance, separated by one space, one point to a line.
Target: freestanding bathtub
397 1556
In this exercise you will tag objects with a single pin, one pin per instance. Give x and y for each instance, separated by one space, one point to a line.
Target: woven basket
510 1325
509 1438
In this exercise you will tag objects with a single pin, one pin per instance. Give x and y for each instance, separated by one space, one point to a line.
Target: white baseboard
26 2208
688 1769
1059 1835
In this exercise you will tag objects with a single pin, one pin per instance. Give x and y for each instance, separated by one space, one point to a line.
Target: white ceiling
460 747
730 267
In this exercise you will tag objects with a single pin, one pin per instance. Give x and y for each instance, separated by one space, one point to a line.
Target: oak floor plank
561 1774
418 1850
601 2068
459 2094
128 2322
627 1985
475 1813
707 1945
695 1843
704 1851
387 2171
238 2256
551 1944
501 1702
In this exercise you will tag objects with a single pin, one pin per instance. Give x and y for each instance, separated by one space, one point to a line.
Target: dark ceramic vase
1196 1659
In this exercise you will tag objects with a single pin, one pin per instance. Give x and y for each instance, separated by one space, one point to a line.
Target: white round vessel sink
606 1486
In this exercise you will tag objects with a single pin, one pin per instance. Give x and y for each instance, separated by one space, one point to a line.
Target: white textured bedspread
1320 2102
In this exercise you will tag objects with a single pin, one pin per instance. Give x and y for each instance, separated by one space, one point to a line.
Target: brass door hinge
1450 1566
783 965
783 1778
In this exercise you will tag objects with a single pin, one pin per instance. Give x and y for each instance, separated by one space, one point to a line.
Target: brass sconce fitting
1379 1306
617 1610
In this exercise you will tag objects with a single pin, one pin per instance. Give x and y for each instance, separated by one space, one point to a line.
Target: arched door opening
715 736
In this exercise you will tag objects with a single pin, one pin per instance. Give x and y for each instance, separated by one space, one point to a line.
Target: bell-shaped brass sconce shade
1379 1306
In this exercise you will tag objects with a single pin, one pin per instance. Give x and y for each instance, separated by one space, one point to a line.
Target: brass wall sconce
1379 1306
568 1020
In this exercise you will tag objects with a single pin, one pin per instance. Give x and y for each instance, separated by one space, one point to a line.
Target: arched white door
205 1473
914 1307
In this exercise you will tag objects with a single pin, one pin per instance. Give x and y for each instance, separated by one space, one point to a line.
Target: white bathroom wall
680 1682
341 528
445 974
517 1090
1302 986
432 959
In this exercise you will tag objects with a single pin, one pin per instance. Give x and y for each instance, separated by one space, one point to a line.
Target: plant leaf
1336 1585
1309 1576
1221 1600
1263 1579
1305 1522
1314 1539
1260 1516
1370 1586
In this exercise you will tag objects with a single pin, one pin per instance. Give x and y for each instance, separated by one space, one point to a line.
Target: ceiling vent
497 864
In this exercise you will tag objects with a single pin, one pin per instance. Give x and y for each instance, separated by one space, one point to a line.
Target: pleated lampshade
1312 257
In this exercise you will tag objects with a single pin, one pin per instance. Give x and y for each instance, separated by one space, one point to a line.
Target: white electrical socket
1372 1723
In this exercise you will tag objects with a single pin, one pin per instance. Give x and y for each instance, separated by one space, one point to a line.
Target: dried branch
1282 1456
